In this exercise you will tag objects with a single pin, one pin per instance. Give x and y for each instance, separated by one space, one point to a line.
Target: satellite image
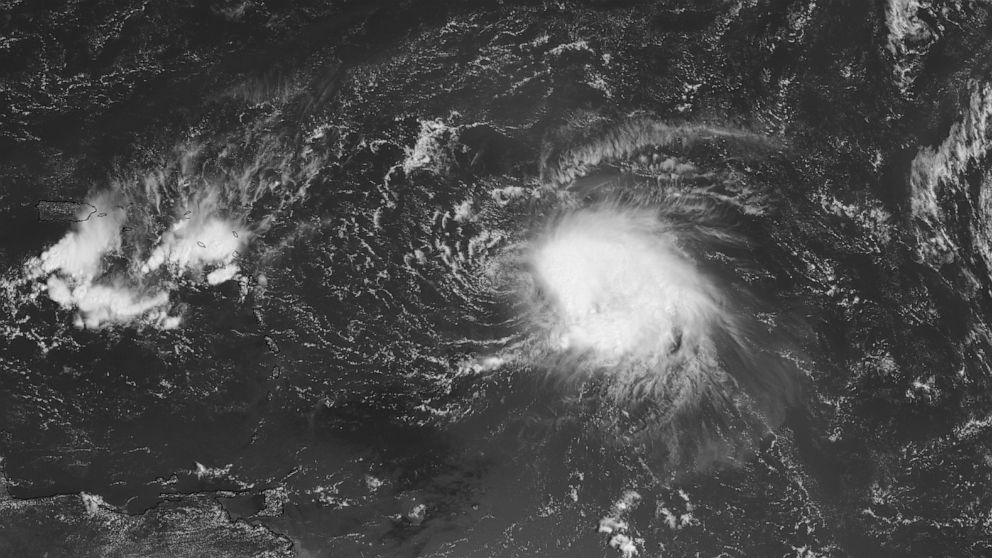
496 278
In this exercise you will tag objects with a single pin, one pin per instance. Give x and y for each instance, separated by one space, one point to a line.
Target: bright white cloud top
621 287
79 276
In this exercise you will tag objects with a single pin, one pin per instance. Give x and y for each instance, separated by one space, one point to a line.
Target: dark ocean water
378 377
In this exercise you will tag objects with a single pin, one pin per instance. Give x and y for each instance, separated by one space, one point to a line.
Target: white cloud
620 288
429 148
193 244
77 278
80 253
102 304
222 274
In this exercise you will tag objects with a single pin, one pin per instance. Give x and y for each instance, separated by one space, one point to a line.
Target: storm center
619 286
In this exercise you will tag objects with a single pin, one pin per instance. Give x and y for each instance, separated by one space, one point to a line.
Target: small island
64 211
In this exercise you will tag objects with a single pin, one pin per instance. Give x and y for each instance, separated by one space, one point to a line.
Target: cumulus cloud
79 277
620 287
80 253
75 268
617 303
195 243
185 217
100 304
940 172
222 274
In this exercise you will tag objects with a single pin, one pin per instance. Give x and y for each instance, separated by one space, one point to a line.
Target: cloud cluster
83 271
79 255
621 287
619 303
